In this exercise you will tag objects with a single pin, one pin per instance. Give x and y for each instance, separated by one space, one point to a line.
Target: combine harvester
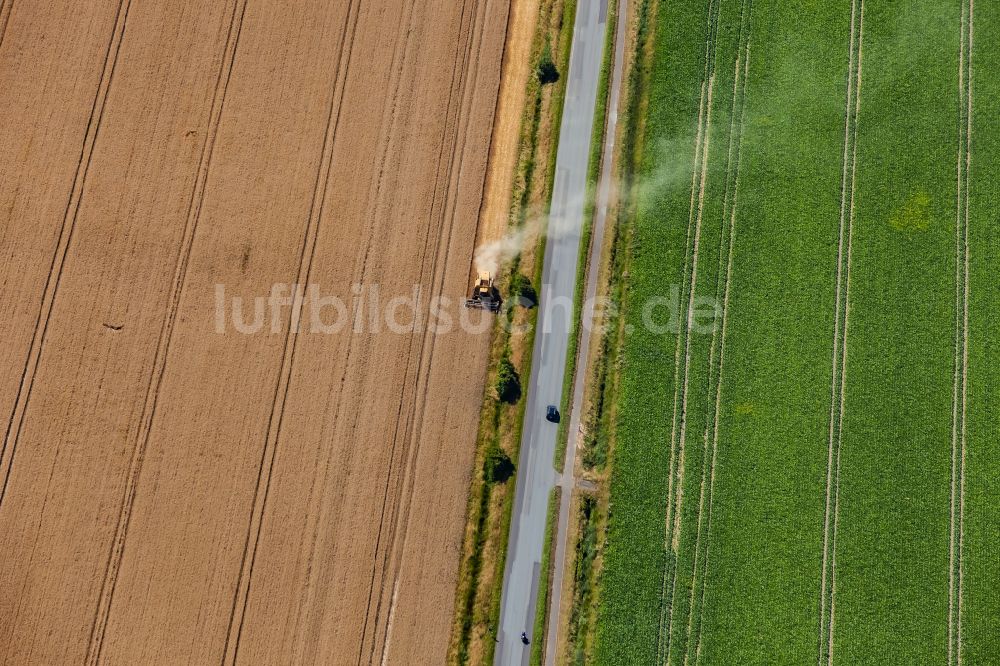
484 295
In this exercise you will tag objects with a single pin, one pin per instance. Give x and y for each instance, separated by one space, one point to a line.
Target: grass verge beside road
542 610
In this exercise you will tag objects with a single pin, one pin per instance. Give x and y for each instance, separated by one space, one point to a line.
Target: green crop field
806 448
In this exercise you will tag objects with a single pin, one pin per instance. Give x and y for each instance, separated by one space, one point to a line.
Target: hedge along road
536 476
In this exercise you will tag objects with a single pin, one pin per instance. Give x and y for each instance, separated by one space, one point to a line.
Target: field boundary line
405 484
956 536
65 239
150 402
838 379
307 255
723 284
663 642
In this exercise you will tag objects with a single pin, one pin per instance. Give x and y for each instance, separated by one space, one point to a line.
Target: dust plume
672 167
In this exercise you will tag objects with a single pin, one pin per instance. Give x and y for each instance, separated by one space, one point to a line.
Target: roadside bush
547 71
508 386
497 467
523 291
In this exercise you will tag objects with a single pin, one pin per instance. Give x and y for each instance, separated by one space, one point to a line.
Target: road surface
536 476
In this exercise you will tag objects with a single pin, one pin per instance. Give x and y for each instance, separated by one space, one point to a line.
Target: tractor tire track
837 345
150 402
391 502
6 7
437 274
956 535
388 594
722 354
689 323
685 286
403 401
306 258
399 513
965 326
830 540
319 508
723 288
65 239
688 291
835 384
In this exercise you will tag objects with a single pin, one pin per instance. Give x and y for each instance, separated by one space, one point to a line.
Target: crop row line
5 9
461 94
683 639
275 424
685 392
687 284
956 537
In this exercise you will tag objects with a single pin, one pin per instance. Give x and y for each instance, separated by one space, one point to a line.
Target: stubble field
175 495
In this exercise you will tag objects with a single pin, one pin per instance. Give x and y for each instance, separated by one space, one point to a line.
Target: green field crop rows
814 165
845 254
762 585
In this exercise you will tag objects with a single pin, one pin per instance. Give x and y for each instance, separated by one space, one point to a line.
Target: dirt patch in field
173 493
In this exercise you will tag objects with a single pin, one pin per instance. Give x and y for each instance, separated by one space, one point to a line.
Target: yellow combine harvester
484 294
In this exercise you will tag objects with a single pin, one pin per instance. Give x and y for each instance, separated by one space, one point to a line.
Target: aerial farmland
174 490
296 365
808 476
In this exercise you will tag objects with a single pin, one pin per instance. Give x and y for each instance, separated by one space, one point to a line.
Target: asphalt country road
536 476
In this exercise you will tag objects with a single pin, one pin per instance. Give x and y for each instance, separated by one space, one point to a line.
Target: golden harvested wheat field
176 494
